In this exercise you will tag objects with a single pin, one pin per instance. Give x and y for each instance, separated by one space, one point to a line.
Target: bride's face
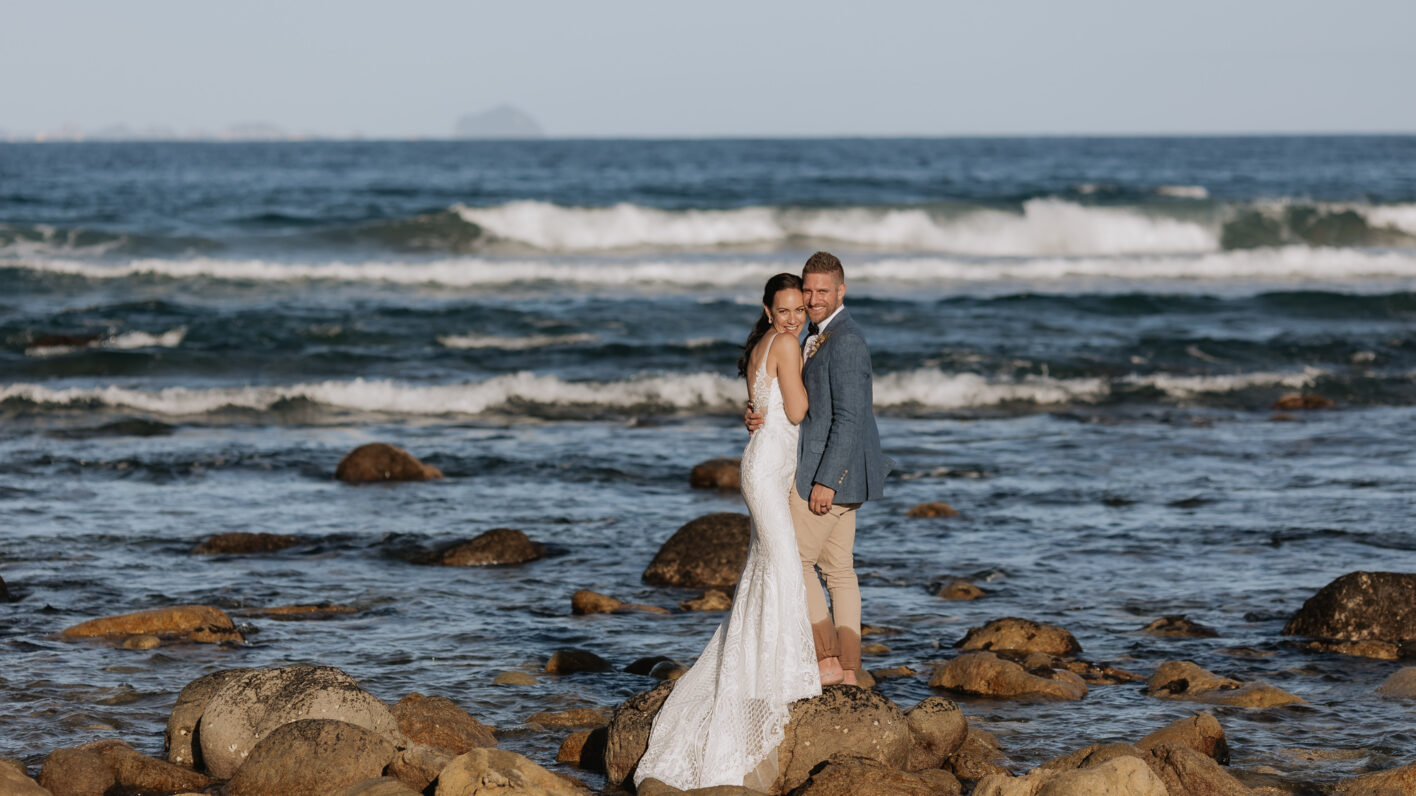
788 311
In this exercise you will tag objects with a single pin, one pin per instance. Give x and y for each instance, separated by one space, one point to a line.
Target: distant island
503 121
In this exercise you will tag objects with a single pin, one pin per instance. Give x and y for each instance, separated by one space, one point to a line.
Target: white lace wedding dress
723 721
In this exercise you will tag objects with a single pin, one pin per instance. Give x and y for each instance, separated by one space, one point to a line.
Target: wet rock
877 630
654 787
716 474
1187 771
1360 606
1093 755
76 772
418 765
668 670
1293 401
647 664
141 642
15 780
893 673
380 786
843 720
978 757
585 602
311 757
179 741
571 748
201 623
574 717
628 734
515 678
569 661
484 772
932 511
1179 627
254 704
438 722
937 730
986 674
1200 732
959 590
300 613
1399 780
136 771
875 649
712 600
708 552
379 461
1380 650
845 775
1020 635
242 542
497 547
1093 673
1120 775
1185 680
864 679
1400 684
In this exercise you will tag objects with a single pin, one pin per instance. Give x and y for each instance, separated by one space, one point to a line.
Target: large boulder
1020 636
182 622
1185 680
76 772
438 722
1200 732
496 772
708 552
628 734
419 765
242 542
379 461
497 547
1187 771
15 780
862 776
843 720
937 730
253 704
136 771
716 474
179 741
1360 606
986 674
1399 780
311 757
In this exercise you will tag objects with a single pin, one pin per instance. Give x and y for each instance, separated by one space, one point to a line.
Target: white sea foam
127 340
1401 218
1183 191
472 341
922 390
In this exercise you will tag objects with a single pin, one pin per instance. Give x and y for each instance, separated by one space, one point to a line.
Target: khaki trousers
827 541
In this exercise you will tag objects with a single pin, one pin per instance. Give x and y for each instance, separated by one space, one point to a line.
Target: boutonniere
820 341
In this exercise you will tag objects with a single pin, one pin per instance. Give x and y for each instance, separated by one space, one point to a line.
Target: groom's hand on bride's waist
751 419
821 497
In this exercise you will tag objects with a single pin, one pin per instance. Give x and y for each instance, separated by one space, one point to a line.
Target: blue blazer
839 445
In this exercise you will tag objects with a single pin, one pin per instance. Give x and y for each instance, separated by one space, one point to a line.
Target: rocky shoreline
311 729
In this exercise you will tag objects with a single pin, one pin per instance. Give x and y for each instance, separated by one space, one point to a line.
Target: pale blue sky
661 68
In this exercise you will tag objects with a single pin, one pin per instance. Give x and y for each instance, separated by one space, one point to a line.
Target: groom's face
823 295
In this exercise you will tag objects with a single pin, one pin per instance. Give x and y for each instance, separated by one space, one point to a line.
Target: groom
839 465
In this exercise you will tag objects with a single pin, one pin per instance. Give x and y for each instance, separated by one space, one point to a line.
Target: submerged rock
716 474
379 461
708 552
201 623
1019 635
497 547
438 722
569 661
241 542
1289 402
311 757
515 678
1185 680
299 613
1177 625
586 602
574 717
1360 606
958 589
987 674
712 600
1380 650
932 511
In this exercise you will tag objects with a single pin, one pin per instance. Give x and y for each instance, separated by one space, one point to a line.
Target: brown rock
1393 782
875 649
572 746
311 757
1120 775
932 511
717 474
76 772
515 678
1187 771
438 722
1295 400
380 786
575 717
1178 626
708 552
242 542
186 622
297 613
1400 684
986 674
978 757
864 679
497 547
585 749
1200 732
1020 635
1360 606
379 461
893 673
15 780
877 630
569 661
179 741
136 771
496 772
959 590
668 670
628 733
143 642
654 787
844 720
585 602
417 766
937 730
1093 755
712 600
845 775
1381 650
1185 680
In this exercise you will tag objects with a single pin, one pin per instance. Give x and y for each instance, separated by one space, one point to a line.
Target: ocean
1076 342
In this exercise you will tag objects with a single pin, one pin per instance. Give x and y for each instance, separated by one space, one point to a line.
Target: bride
725 717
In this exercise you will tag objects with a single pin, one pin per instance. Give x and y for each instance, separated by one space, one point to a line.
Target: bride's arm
787 358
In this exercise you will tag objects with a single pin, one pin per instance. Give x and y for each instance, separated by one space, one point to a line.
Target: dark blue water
1076 342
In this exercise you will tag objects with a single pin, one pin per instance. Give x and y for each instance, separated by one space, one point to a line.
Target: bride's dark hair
775 284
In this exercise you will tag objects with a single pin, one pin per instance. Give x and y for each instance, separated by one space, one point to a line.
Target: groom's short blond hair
825 263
